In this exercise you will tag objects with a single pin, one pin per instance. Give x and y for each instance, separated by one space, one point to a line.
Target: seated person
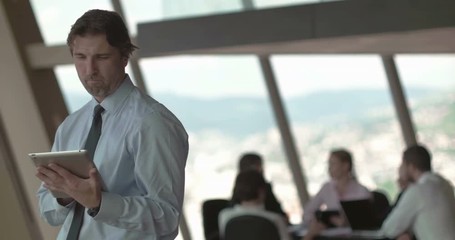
427 207
403 182
253 161
250 191
342 186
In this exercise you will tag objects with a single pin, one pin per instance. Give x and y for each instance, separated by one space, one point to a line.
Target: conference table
343 234
351 237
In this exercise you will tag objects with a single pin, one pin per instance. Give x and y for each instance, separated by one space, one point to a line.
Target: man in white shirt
427 207
136 190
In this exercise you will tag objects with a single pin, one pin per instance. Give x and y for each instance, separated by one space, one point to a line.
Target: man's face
100 67
403 178
408 170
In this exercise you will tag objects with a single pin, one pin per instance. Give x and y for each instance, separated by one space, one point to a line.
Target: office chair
210 210
249 227
381 206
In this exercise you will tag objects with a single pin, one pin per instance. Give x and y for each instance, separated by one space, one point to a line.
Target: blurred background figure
253 161
427 207
250 191
403 182
341 186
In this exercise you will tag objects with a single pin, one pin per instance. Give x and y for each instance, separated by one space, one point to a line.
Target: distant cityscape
373 136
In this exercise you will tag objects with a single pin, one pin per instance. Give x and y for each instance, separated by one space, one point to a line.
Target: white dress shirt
239 210
427 208
329 198
141 157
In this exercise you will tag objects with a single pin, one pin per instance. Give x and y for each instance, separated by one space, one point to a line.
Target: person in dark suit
253 161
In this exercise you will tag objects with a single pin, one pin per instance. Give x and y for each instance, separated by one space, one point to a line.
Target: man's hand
85 191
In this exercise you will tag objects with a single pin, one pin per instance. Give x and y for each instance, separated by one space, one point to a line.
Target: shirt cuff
110 207
60 208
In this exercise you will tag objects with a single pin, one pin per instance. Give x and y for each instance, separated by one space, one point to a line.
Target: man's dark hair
418 156
247 186
103 22
344 156
249 161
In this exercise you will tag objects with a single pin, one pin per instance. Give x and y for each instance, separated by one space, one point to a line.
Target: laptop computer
360 214
362 219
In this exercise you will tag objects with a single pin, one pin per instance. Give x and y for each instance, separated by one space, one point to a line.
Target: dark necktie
90 146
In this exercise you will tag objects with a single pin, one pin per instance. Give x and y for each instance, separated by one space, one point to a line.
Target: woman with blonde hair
342 186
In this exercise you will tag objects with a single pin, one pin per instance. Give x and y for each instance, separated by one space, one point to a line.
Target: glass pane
73 91
137 11
222 101
283 3
341 101
56 17
433 111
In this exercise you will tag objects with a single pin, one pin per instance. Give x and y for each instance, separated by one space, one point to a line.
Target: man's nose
91 66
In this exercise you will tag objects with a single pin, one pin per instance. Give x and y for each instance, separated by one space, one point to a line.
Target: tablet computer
77 162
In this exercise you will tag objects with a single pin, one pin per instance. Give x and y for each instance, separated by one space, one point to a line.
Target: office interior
265 35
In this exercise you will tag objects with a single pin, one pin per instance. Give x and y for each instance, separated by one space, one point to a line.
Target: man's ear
125 61
410 170
347 167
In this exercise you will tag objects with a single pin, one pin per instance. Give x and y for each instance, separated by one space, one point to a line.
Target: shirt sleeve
51 211
313 205
159 149
402 216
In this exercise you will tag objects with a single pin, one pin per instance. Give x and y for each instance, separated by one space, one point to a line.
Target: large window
283 3
433 112
222 101
138 11
341 101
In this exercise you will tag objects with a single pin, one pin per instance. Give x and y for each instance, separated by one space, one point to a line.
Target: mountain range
241 116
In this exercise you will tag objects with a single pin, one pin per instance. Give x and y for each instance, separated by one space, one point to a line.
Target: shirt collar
424 177
112 102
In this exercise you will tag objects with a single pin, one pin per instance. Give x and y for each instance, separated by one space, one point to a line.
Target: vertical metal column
134 64
399 100
283 124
